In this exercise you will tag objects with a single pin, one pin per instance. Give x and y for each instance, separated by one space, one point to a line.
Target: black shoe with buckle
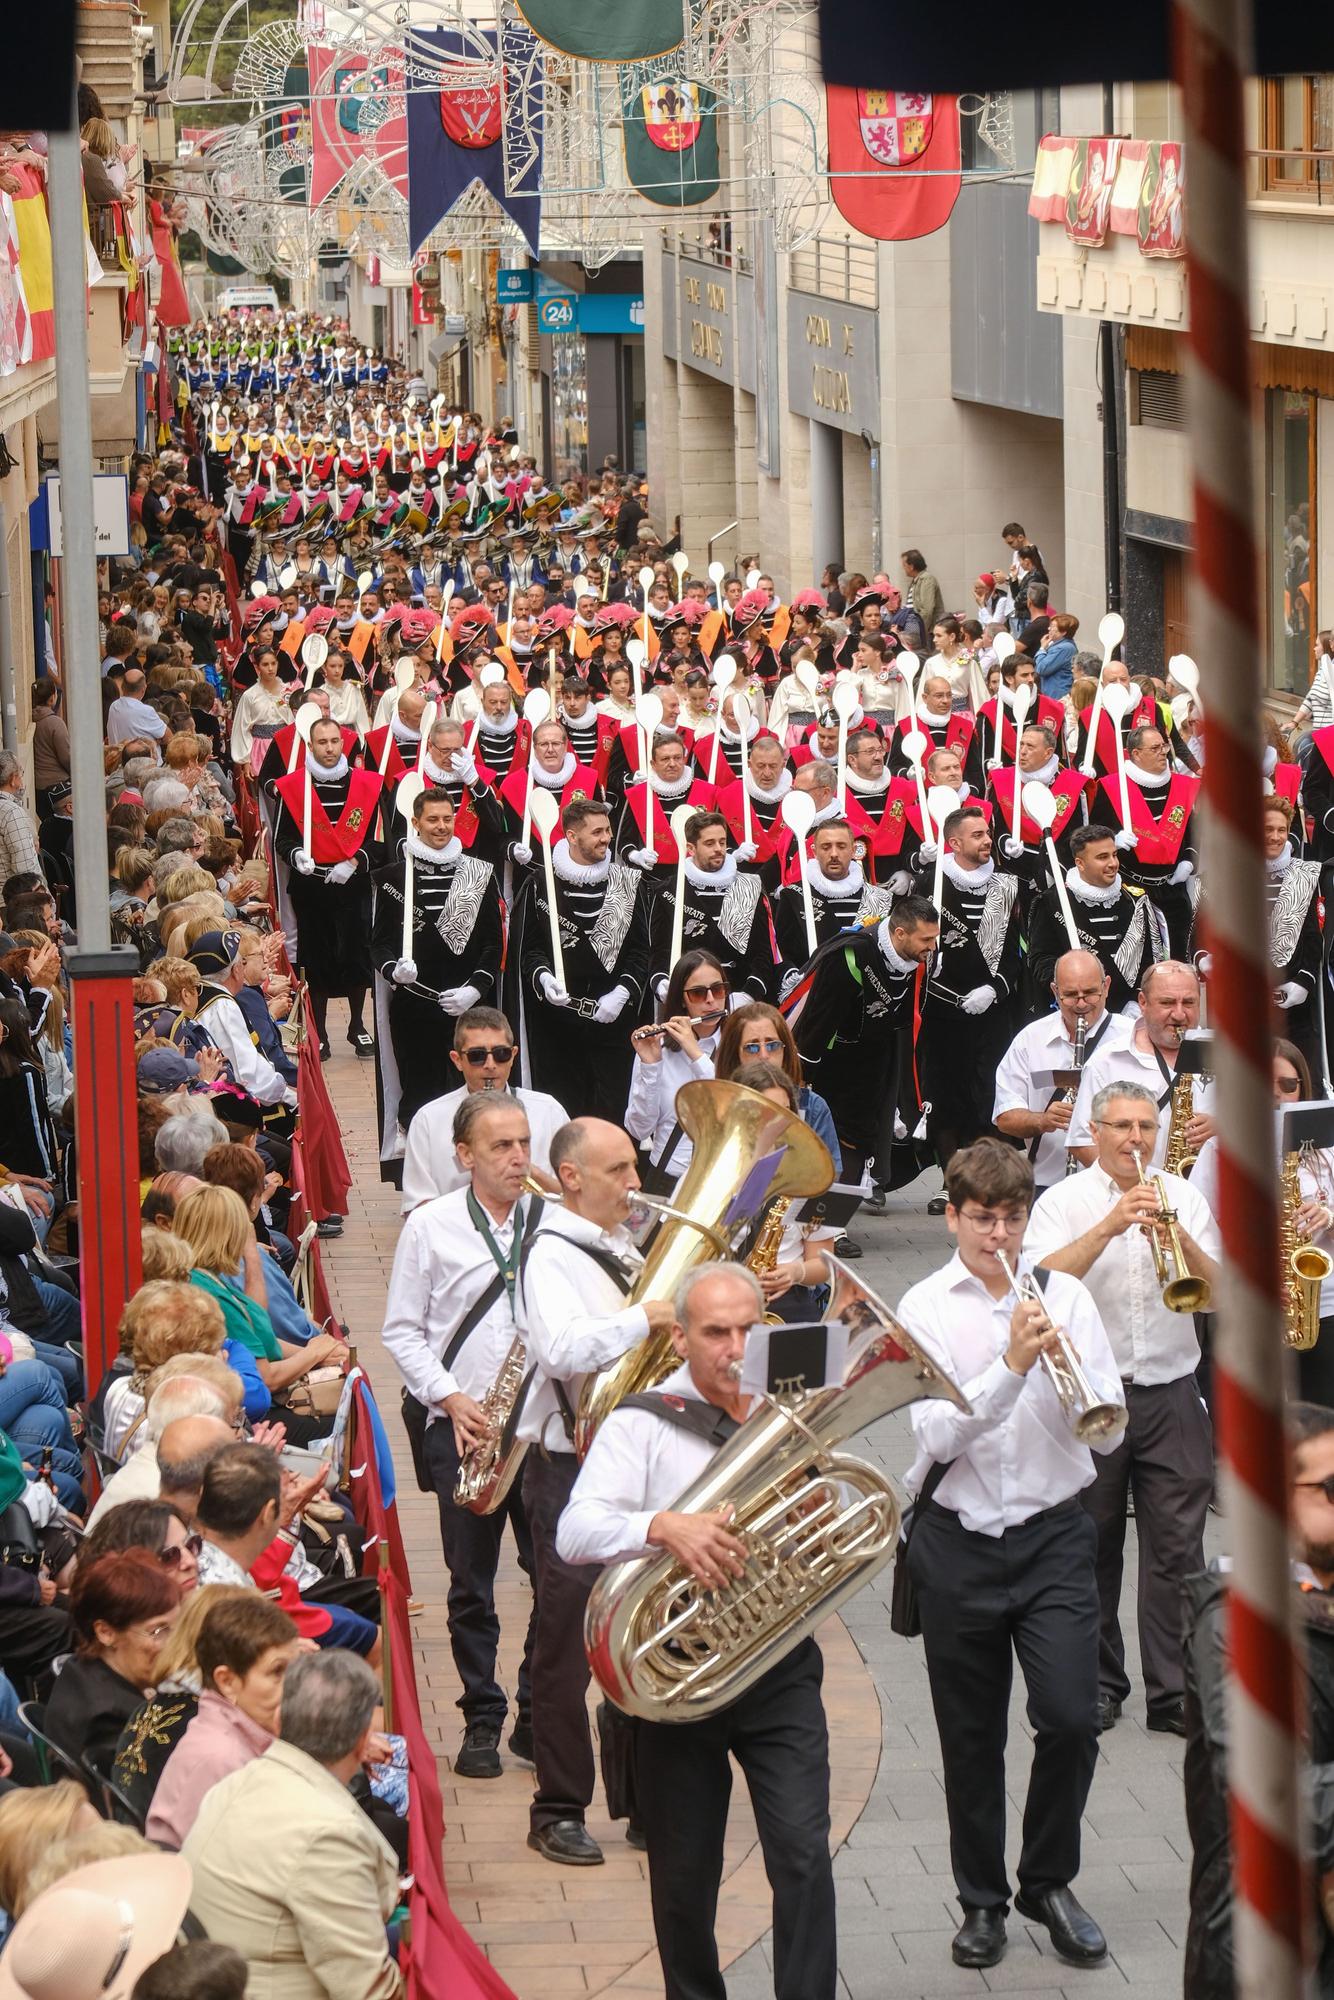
1076 1937
520 1744
566 1840
875 1202
360 1041
845 1248
1109 1708
937 1204
636 1837
332 1225
480 1755
980 1938
1168 1719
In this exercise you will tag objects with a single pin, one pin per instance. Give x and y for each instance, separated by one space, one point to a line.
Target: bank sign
833 371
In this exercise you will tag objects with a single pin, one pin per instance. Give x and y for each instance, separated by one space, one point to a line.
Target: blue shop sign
514 287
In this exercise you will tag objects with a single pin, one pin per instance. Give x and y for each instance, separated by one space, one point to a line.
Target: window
1297 122
1290 542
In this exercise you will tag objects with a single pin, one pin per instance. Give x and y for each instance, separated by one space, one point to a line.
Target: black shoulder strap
602 1258
702 1420
475 1314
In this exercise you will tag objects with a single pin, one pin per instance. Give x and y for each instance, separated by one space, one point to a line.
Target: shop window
1290 543
1297 128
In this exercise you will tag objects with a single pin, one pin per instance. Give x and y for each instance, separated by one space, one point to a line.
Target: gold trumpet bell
747 1150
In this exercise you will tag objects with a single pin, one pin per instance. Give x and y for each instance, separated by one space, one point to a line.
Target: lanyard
1168 1075
508 1266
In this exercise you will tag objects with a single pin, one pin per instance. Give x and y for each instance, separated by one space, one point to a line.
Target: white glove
556 994
747 851
1124 840
1181 873
995 764
978 1000
1204 964
643 857
660 987
405 972
1011 848
522 856
610 1006
927 851
900 883
1290 994
302 862
342 871
465 766
458 999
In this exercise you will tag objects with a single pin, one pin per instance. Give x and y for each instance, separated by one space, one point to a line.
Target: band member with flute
1031 1105
679 1049
1111 918
449 1326
1108 1227
1001 1555
577 1269
646 1454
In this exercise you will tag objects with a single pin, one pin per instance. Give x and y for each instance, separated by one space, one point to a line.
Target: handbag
905 1616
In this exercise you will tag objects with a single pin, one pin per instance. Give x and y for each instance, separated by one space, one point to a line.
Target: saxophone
765 1254
1304 1267
1176 1160
1072 1165
487 1470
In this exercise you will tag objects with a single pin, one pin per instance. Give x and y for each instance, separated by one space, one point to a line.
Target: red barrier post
106 1147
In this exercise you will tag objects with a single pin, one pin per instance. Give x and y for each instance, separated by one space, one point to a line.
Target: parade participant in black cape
1116 922
1159 851
1021 848
576 1033
455 953
644 835
841 897
725 912
330 881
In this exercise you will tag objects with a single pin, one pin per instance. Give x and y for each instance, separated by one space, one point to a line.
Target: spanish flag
30 240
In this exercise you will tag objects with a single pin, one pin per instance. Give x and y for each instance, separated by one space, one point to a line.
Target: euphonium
1304 1267
816 1525
746 1150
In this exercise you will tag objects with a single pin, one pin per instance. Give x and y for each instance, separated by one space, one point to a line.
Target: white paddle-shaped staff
724 673
741 710
1111 631
307 716
1002 646
916 746
536 709
1040 804
1117 702
798 810
941 800
546 818
1023 699
679 821
845 701
314 652
410 788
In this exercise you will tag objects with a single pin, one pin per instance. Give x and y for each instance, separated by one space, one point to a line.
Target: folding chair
53 1761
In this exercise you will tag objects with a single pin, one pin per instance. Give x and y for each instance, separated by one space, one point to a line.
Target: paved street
556 1931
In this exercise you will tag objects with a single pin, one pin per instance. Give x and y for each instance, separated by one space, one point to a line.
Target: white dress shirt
651 1111
1151 1344
1015 1455
637 1465
1037 1049
229 1031
441 1268
574 1317
1128 1063
430 1164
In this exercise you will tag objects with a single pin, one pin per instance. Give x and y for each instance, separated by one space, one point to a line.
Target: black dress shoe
1169 1719
566 1840
636 1837
332 1225
520 1744
360 1041
324 1050
1109 1708
980 1938
937 1205
480 1755
845 1248
1068 1924
876 1202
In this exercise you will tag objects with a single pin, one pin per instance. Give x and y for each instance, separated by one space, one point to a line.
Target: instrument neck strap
1168 1075
703 1420
507 1265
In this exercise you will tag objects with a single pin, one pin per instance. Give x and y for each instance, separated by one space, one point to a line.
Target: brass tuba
817 1526
747 1150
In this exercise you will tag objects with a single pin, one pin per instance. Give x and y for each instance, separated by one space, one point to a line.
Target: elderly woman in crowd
123 1606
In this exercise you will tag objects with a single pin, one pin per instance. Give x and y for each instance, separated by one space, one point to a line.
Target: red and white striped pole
1212 45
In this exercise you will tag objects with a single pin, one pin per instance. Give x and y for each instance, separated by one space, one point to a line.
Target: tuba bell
817 1526
747 1150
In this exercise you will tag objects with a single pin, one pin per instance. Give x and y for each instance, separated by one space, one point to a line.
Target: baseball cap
216 951
161 1070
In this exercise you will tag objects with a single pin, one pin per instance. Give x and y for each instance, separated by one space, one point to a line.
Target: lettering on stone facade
706 342
715 298
692 291
818 332
831 389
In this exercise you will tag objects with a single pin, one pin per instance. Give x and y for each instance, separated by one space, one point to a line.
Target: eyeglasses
986 1221
497 1053
1287 1086
765 1048
1325 1486
1123 1125
714 991
171 1558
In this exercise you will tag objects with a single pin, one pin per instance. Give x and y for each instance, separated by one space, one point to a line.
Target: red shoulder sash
1157 841
334 840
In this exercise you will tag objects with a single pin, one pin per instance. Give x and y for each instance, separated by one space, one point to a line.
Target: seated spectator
245 1647
95 1930
154 1525
31 1821
103 1841
287 1869
196 1970
190 1131
27 1136
161 1320
34 1416
183 1412
123 1607
242 1169
167 1710
30 1302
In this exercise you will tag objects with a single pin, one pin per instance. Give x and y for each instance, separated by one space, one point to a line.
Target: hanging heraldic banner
607 30
894 165
669 131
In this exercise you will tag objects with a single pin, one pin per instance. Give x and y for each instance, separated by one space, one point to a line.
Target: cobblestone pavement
555 1931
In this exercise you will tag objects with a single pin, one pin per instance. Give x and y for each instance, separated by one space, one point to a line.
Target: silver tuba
817 1526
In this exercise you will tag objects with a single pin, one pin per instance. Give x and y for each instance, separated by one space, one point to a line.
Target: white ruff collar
437 775
1148 781
972 879
556 781
869 788
930 720
769 797
678 791
734 735
580 874
1088 892
1043 776
720 880
328 774
838 892
1281 863
434 857
401 732
832 811
588 720
902 966
505 727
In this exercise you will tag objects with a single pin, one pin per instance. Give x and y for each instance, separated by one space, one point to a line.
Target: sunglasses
1287 1086
171 1558
497 1053
1325 1486
716 991
761 1048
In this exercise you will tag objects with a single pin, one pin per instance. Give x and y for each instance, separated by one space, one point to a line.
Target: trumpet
1182 1292
1088 1418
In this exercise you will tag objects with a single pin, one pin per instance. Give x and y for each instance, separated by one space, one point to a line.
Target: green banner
626 31
670 134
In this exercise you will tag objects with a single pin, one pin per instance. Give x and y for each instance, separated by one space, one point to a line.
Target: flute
655 1033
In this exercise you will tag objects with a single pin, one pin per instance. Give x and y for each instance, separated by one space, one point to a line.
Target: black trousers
422 1037
471 1543
585 1064
562 1741
1315 1368
32 1636
1030 1591
958 1055
1166 1458
683 1778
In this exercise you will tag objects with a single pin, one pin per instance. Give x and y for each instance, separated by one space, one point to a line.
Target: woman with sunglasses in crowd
123 1605
679 1049
1314 1219
757 1032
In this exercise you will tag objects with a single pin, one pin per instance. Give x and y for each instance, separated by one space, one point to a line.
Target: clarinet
1072 1165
